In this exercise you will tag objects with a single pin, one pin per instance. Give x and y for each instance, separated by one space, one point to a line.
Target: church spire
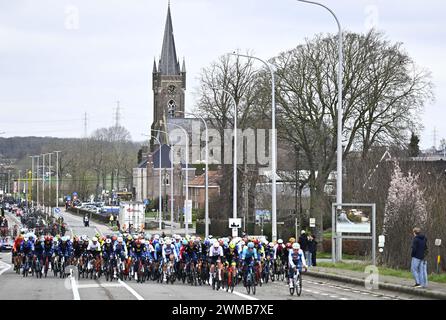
168 64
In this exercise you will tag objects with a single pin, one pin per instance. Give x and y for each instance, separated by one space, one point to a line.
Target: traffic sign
234 232
281 222
146 201
56 210
312 222
235 223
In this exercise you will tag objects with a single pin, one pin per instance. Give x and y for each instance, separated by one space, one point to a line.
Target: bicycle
231 277
250 282
297 283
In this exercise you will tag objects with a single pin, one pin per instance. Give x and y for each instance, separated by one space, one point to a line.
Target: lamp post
171 184
206 208
186 220
57 178
49 179
43 181
273 144
32 179
159 174
339 122
234 195
37 180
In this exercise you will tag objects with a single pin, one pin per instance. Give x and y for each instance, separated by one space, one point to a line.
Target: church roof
169 64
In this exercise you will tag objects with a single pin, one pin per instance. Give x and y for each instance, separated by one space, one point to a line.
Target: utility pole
43 181
49 179
57 178
85 125
117 114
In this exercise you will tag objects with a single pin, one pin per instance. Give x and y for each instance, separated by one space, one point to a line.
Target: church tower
168 84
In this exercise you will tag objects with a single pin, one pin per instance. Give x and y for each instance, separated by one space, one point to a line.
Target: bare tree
383 92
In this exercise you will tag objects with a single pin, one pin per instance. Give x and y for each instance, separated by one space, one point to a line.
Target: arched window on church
171 108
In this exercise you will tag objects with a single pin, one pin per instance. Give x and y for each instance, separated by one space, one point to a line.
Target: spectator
312 243
303 241
86 221
419 264
111 219
118 225
310 248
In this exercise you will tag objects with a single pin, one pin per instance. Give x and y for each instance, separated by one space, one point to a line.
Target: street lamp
339 122
171 184
186 220
273 143
234 195
206 210
159 174
57 178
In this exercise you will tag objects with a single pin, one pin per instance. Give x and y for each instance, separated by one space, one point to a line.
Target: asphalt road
14 286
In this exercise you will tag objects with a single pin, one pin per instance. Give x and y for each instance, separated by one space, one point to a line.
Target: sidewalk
434 290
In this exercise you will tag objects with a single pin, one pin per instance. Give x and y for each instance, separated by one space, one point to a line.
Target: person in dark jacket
419 264
303 241
311 249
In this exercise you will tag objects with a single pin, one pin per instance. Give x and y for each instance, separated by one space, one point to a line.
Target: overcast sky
59 58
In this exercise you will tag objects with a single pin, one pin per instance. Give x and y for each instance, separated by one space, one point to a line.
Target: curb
385 286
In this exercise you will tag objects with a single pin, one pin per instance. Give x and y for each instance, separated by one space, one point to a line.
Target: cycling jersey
168 250
296 259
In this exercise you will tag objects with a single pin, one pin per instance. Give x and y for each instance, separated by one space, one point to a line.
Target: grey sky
54 67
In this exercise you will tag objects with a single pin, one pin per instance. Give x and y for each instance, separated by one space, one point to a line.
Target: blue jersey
249 254
65 249
296 259
27 247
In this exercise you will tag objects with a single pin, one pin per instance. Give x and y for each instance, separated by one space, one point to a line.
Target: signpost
360 218
235 224
312 222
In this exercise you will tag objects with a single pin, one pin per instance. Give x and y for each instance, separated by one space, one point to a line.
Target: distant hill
19 147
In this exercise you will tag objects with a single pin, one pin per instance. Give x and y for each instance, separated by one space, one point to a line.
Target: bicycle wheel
299 285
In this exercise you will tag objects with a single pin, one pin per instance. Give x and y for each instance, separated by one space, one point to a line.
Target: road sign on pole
235 223
312 222
234 232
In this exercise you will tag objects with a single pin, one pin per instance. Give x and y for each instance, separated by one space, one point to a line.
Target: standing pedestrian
303 241
118 225
111 219
311 250
419 264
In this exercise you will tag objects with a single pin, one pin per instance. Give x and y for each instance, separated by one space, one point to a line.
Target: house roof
200 181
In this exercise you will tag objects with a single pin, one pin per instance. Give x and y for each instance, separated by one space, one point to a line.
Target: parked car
6 243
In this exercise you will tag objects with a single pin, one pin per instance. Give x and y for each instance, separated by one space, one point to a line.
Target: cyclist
39 248
27 248
65 249
168 252
279 253
231 254
138 253
215 255
16 246
249 255
48 249
107 250
94 249
296 259
120 248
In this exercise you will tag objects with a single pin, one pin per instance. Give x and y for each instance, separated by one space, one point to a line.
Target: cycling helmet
251 245
256 241
135 237
206 242
232 245
42 238
280 241
161 242
138 242
168 242
84 237
216 244
210 237
108 241
292 240
48 238
157 236
26 238
271 245
288 245
143 241
114 237
94 239
120 239
129 238
296 246
221 242
184 242
147 237
177 237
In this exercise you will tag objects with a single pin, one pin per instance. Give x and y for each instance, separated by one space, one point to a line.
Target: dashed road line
244 295
130 289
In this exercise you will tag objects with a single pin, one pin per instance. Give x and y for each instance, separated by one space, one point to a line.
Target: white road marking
130 289
244 295
74 288
5 268
324 294
95 285
343 299
333 297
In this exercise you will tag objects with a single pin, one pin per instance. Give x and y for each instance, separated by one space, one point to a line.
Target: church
169 86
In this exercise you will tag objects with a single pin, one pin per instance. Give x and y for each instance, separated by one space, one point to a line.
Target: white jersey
93 247
215 251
